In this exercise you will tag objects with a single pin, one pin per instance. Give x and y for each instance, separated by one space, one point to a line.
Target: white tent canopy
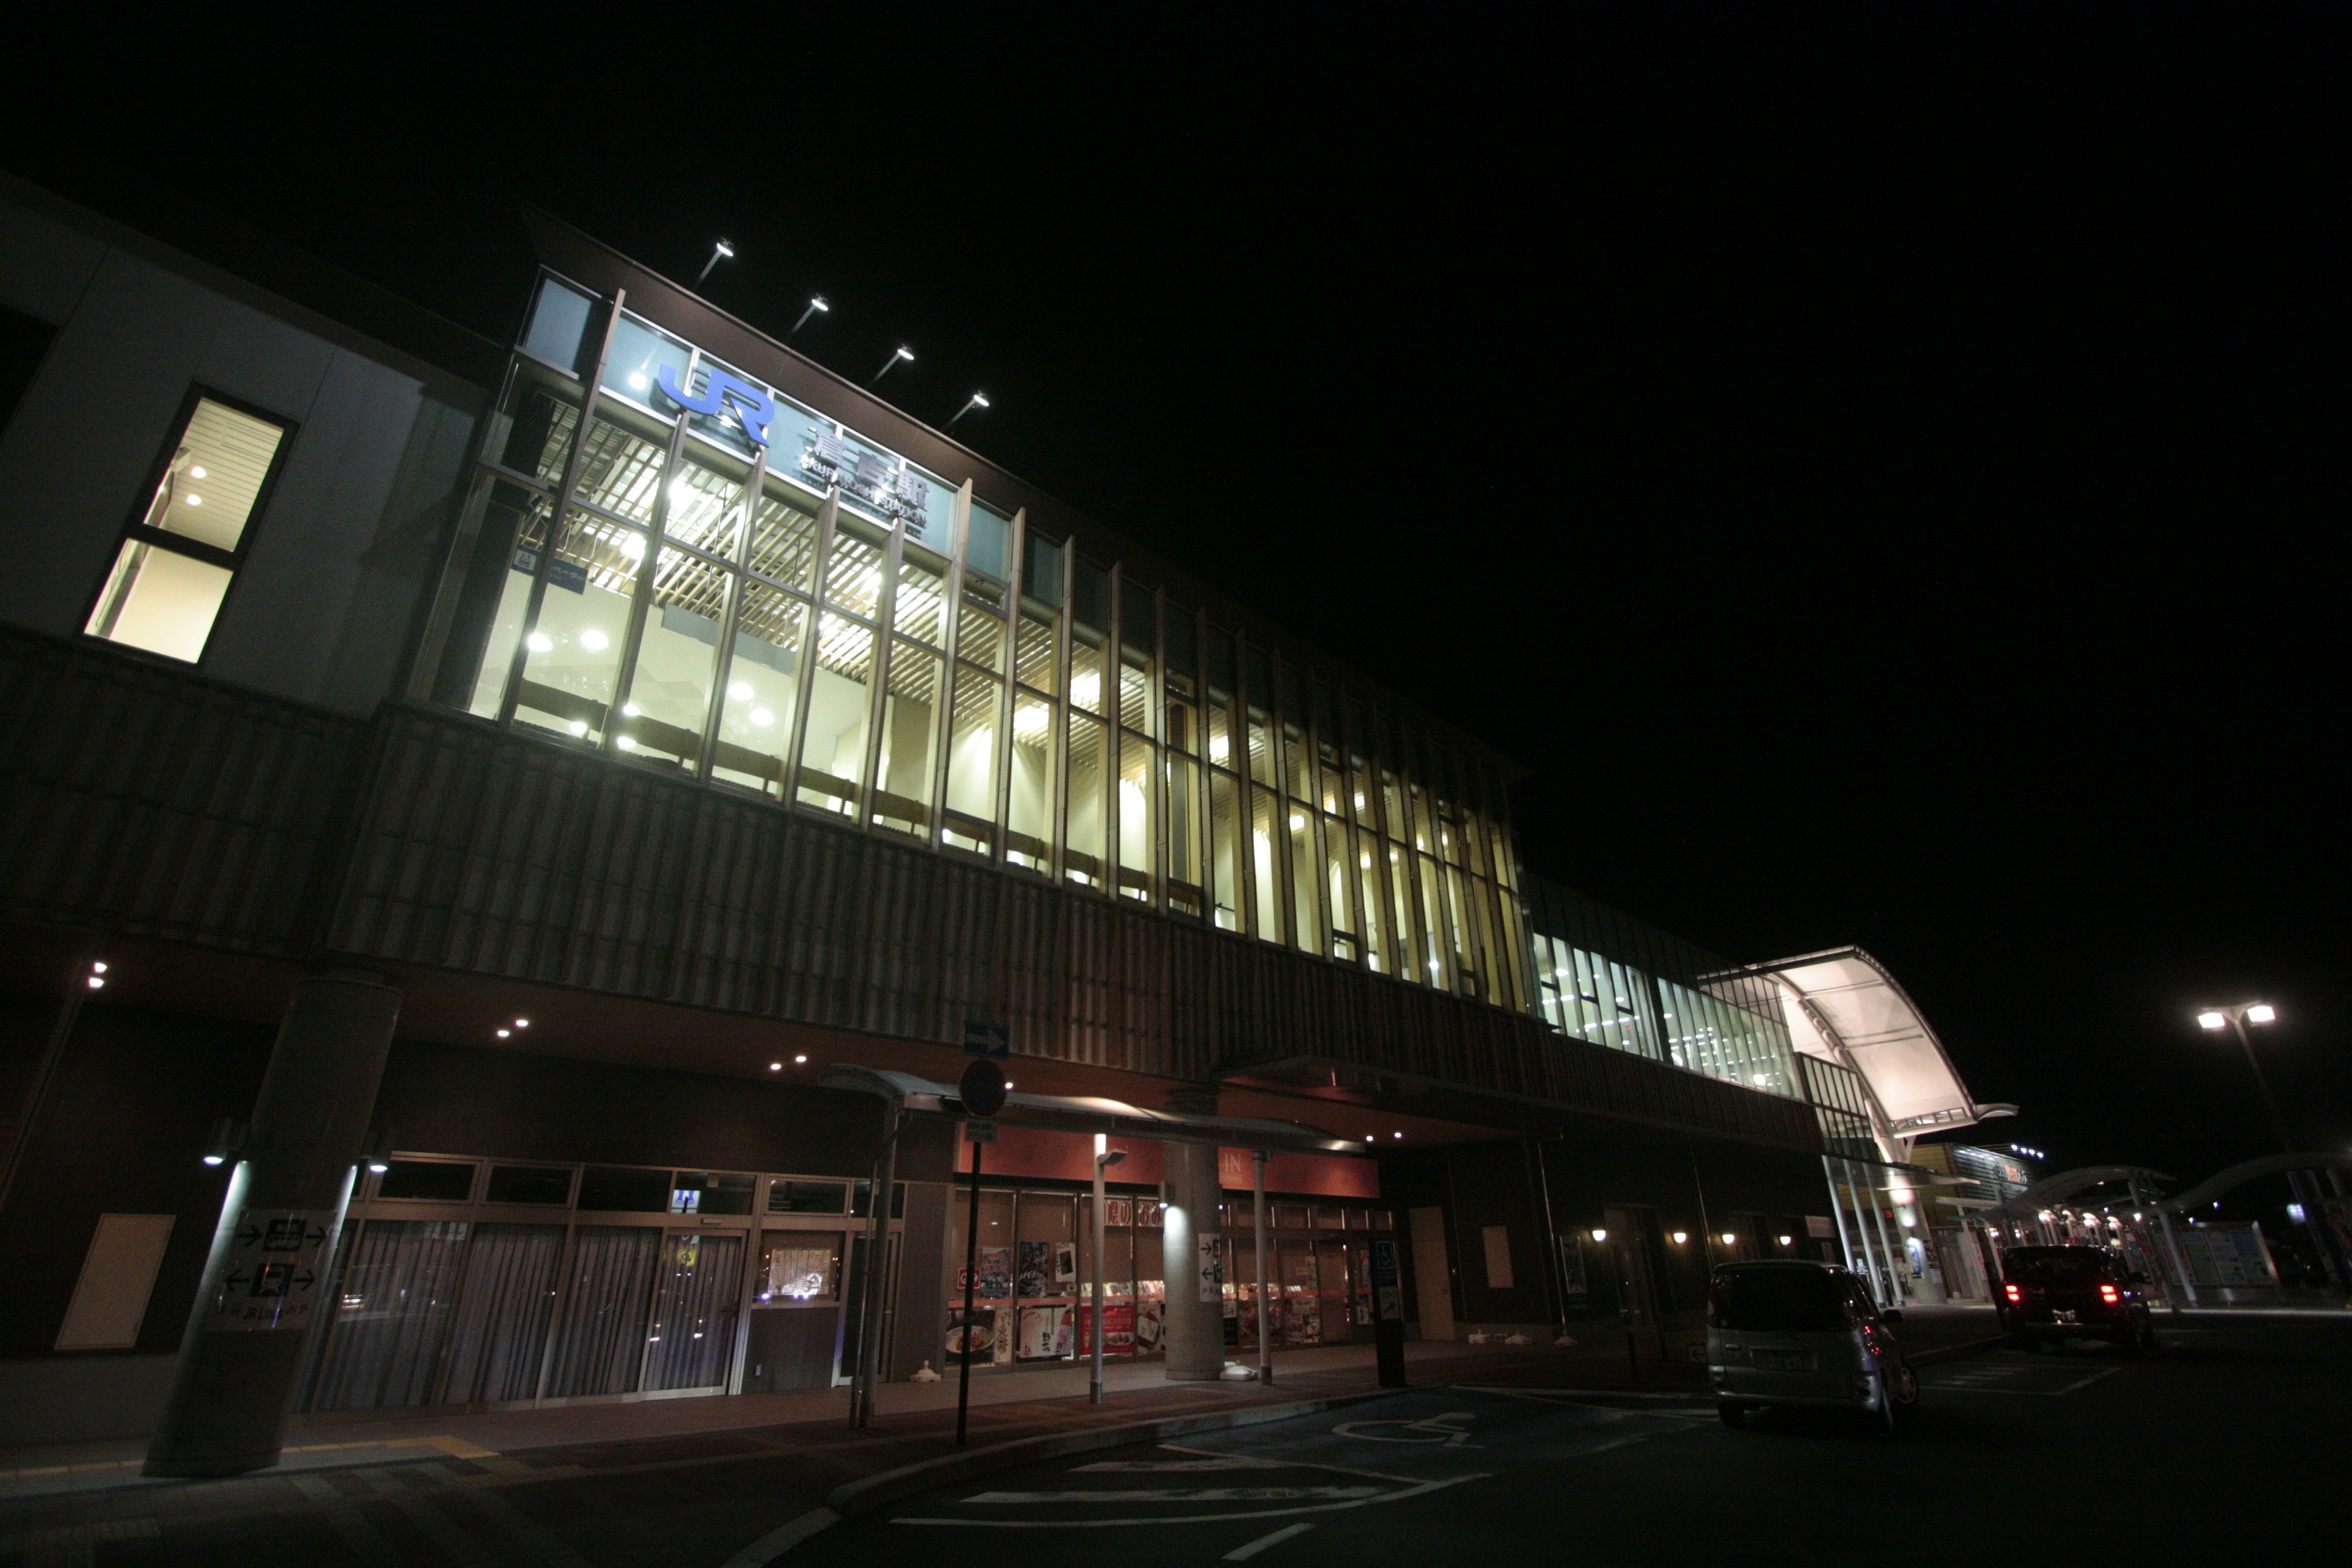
1843 1006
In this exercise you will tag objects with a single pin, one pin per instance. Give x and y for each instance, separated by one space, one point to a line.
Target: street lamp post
1105 1157
2236 1018
722 250
890 364
816 303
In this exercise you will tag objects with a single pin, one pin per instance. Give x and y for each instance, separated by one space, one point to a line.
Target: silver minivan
1789 1332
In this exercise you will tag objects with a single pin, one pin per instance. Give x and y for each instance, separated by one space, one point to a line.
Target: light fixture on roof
816 305
800 1061
722 248
902 353
522 1023
977 399
775 1066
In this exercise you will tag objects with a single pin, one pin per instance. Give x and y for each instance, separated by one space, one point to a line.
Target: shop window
808 1197
427 1181
177 558
530 1185
861 1199
704 1191
622 1189
800 1266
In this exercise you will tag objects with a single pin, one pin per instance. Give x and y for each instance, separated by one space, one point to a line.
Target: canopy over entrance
1843 1006
1088 1114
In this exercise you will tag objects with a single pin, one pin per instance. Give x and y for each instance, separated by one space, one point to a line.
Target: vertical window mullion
950 639
1018 541
625 669
827 515
877 692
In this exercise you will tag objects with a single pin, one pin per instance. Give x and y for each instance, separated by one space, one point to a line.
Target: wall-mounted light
1680 1236
775 1066
800 1061
1784 1241
375 1152
1598 1234
227 1137
1729 1240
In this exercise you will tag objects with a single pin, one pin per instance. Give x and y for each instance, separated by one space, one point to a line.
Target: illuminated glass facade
788 608
1616 982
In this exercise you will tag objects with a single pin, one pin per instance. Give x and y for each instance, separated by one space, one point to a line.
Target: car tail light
2014 1293
2107 1294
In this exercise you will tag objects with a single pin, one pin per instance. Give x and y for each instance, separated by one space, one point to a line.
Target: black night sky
1872 466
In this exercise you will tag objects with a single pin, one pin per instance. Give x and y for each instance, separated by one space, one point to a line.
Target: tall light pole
890 364
977 399
816 305
2307 1194
2237 1018
723 248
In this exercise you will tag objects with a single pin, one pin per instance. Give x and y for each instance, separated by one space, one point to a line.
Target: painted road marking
1137 1467
1244 1553
1182 1494
1422 1490
1445 1430
1988 1380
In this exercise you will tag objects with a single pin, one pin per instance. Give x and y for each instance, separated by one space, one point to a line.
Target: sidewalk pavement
915 1422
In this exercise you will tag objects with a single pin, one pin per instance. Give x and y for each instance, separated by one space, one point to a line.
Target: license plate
1783 1361
2064 1316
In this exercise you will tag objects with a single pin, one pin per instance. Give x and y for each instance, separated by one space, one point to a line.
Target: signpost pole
1257 1230
970 1278
1101 1316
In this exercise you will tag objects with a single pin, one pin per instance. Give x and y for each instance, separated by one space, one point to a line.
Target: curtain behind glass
693 1335
501 1321
602 1338
389 1320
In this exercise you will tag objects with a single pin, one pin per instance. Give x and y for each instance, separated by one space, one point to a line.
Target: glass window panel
559 320
1040 571
1182 638
1135 841
1182 714
971 761
910 706
980 638
724 428
621 469
1297 771
670 689
1090 596
1337 883
692 1337
702 509
573 652
531 433
987 541
635 362
1083 857
1134 695
1029 825
1185 872
1139 621
799 1265
783 543
763 683
807 1197
209 489
1034 657
1225 849
1392 799
1261 756
920 608
1219 712
853 573
1263 850
1087 672
159 600
1416 959
1378 948
1306 883
832 757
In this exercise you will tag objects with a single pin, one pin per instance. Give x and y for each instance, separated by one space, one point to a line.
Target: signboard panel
276 1273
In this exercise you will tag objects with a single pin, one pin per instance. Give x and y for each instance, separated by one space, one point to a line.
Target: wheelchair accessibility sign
276 1262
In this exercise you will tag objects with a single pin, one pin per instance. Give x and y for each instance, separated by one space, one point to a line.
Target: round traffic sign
983 1090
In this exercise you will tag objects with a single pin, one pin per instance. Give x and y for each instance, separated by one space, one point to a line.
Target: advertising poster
974 1342
1118 1329
1066 1269
1150 1323
1037 1275
1117 1211
996 1271
1044 1333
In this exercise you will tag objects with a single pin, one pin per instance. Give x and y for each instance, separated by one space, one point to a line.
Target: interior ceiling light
775 1066
800 1061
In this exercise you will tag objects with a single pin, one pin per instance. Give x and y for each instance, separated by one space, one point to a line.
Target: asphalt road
2212 1445
2221 1444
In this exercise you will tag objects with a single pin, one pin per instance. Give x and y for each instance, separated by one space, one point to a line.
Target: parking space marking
1180 1494
1987 1380
1140 1467
1244 1553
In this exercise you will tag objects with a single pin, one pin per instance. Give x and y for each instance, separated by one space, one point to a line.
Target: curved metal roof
1843 1006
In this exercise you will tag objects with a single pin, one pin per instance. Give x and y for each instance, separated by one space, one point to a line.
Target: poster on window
1149 1215
1066 1269
1150 1323
972 1340
996 1271
1117 1211
1303 1320
1044 1333
1035 1276
1118 1329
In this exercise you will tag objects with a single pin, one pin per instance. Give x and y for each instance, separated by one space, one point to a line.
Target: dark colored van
2051 1293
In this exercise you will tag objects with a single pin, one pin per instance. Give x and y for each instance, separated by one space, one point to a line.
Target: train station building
471 807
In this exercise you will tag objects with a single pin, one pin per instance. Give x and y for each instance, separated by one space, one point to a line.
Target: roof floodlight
2260 1012
722 250
816 303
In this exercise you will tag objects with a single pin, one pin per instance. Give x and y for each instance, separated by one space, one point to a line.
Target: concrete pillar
1196 1306
265 1283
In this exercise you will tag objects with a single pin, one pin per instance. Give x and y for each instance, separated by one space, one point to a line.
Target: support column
1196 1306
265 1281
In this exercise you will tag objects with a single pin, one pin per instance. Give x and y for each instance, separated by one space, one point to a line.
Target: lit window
176 561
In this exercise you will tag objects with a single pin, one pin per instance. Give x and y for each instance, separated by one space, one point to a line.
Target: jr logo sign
754 407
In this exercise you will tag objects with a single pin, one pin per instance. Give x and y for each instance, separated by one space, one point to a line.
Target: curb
870 1492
